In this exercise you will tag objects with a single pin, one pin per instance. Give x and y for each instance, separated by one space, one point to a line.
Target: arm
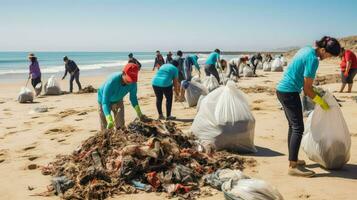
176 86
134 100
65 73
348 67
106 93
155 63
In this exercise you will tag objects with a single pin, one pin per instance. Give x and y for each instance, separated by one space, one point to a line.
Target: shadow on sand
183 120
265 152
349 171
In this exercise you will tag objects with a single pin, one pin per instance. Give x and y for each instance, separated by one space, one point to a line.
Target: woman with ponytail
299 76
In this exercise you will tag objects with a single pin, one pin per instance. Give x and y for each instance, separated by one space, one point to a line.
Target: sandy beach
36 138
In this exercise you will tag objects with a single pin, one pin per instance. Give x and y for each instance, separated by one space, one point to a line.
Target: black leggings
211 69
293 111
233 69
73 77
159 93
35 81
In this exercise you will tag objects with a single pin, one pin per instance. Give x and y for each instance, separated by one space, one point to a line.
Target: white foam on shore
60 68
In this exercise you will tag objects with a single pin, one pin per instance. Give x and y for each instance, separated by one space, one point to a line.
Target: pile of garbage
327 79
88 89
151 156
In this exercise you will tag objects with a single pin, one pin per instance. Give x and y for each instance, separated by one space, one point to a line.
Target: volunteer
34 71
133 60
348 69
190 60
210 65
71 68
234 65
163 82
300 74
254 60
159 60
112 93
169 57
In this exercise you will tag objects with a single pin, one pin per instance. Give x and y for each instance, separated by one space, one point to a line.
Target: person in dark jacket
169 57
159 60
133 60
254 60
73 70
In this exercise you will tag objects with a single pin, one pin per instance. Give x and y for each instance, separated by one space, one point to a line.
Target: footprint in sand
6 109
32 158
78 120
3 155
64 129
61 140
40 122
10 127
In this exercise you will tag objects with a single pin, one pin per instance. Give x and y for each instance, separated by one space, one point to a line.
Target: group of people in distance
298 76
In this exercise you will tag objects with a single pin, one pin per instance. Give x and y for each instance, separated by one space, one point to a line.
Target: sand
28 138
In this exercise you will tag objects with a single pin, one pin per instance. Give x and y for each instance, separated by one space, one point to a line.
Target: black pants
73 77
255 67
159 93
351 75
233 69
211 69
35 81
293 111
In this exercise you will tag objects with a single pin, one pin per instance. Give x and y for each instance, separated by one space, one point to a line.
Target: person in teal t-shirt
300 75
210 65
111 94
162 83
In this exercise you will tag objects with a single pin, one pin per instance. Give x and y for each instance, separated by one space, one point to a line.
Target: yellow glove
110 122
138 111
318 100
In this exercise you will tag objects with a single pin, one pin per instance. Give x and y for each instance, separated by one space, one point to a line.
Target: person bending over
211 62
348 69
71 68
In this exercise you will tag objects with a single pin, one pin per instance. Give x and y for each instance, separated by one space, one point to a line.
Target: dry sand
37 138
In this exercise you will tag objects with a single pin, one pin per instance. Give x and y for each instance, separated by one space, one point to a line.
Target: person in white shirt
234 65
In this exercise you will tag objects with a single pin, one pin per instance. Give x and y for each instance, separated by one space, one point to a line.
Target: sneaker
170 118
300 171
161 117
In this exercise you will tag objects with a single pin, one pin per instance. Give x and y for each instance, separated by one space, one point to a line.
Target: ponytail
331 45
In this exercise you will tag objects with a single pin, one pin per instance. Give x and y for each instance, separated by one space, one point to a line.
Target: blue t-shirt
303 65
212 58
113 91
165 75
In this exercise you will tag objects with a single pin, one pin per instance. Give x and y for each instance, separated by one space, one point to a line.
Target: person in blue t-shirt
300 75
111 94
164 80
210 65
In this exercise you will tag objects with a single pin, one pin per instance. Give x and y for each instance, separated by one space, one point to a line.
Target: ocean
14 65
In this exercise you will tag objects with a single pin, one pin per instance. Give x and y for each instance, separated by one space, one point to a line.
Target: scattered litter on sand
258 89
327 79
88 89
149 156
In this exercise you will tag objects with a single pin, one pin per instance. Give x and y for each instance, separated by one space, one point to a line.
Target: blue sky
147 25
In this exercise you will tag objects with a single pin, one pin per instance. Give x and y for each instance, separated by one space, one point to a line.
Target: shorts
351 75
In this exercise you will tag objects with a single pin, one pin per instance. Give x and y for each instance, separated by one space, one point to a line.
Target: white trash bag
250 189
211 83
327 139
200 101
284 62
193 92
225 121
25 95
52 86
196 79
260 65
267 67
247 71
277 65
38 88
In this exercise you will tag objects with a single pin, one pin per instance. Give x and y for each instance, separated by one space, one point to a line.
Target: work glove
318 100
110 122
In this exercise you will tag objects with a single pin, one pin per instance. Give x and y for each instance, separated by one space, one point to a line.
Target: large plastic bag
196 79
193 92
327 139
277 65
38 88
247 71
220 176
211 83
200 101
225 121
260 65
25 95
267 67
250 189
52 86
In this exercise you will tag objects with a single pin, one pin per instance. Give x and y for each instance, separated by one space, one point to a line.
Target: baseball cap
131 71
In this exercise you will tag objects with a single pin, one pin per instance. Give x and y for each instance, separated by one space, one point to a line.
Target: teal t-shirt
165 75
212 58
303 65
112 91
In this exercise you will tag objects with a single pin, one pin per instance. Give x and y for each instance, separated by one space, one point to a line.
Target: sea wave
60 68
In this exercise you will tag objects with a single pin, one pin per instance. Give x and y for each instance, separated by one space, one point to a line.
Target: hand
110 122
318 100
345 74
